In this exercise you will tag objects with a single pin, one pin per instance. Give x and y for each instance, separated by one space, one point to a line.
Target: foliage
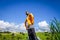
55 29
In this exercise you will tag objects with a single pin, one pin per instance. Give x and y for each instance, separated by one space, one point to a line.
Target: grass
19 36
12 36
24 36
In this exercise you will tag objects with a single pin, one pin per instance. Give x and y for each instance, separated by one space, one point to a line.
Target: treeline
5 32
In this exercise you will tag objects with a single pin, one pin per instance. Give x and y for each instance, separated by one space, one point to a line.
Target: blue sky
13 11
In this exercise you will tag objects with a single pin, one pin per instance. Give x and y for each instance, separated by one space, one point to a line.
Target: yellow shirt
30 19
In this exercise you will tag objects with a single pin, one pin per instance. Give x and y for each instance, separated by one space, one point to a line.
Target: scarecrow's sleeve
32 19
25 24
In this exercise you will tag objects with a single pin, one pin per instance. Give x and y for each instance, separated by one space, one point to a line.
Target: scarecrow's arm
25 23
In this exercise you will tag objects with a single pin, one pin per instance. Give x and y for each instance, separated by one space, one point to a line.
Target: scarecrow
29 26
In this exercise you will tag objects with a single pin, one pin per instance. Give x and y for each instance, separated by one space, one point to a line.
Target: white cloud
22 27
12 27
43 26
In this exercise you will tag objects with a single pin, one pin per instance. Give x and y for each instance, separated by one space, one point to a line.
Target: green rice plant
55 29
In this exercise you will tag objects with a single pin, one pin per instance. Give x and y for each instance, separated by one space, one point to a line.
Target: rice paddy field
24 36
